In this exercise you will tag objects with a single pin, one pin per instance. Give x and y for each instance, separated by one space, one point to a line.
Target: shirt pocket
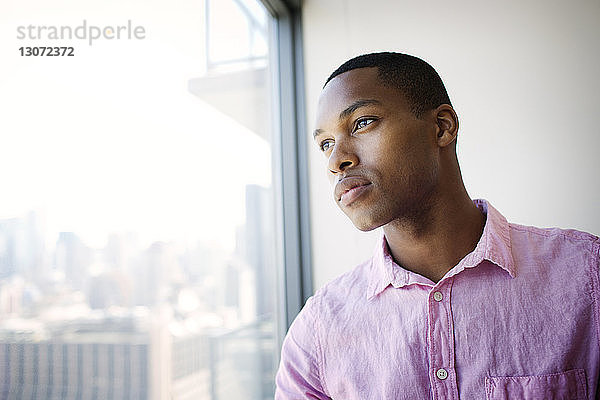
568 385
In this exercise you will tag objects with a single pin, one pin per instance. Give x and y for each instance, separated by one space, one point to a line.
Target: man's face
382 160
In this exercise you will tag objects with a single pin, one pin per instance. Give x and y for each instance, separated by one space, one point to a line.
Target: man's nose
341 158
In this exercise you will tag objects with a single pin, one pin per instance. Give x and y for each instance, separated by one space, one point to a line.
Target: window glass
137 244
243 39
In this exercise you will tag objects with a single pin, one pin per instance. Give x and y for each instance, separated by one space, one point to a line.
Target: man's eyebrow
355 106
349 110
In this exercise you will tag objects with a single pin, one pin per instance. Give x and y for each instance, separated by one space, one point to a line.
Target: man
456 302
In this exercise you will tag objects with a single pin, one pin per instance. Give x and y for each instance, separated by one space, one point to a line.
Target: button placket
441 341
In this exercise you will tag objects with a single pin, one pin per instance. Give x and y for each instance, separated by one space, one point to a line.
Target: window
141 220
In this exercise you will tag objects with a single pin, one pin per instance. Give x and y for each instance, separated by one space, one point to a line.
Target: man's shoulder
558 236
347 288
554 244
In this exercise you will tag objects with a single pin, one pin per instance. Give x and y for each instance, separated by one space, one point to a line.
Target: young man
456 302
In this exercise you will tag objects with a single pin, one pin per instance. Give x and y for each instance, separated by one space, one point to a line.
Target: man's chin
364 218
364 224
366 229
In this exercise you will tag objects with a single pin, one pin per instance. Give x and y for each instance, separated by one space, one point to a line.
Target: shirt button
437 296
441 374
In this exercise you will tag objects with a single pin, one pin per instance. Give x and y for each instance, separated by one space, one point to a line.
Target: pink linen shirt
517 318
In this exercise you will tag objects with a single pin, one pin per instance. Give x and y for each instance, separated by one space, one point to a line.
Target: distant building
257 246
108 289
73 258
22 246
109 358
12 293
153 276
135 358
76 370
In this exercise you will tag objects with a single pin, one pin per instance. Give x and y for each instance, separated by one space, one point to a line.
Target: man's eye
361 123
325 145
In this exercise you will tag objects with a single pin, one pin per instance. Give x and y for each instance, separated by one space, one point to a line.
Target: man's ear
447 124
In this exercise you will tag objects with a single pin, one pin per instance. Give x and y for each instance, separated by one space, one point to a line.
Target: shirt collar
494 246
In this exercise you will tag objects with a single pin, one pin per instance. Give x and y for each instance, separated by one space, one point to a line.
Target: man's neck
436 242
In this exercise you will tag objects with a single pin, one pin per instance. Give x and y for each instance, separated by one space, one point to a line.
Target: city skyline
60 313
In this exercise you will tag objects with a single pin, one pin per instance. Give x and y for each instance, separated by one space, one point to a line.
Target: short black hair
417 80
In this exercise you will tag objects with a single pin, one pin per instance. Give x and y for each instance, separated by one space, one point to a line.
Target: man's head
385 123
420 84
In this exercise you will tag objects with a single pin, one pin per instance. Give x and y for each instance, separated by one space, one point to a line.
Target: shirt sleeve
298 376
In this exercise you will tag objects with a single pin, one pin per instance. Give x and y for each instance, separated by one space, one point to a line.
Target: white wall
524 79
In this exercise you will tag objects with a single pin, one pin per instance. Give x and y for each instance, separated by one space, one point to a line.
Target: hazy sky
111 139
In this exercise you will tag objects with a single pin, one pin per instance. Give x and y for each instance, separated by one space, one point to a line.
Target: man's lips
350 188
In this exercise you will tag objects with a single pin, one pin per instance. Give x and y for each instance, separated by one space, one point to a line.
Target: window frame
290 161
